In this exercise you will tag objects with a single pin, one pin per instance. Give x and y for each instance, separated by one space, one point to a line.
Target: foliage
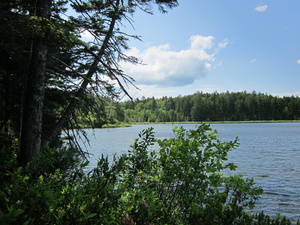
235 106
49 70
185 182
172 181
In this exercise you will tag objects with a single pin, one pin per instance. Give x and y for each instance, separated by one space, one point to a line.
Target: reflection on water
269 152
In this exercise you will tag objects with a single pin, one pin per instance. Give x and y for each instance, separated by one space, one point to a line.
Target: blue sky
217 45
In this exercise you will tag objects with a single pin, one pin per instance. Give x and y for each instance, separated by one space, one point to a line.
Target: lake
268 152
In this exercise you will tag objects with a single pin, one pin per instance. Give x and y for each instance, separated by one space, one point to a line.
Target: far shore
194 122
200 122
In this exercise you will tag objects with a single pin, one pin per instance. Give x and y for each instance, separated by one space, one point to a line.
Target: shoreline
119 125
212 122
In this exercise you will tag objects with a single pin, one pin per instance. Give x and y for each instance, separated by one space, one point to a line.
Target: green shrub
182 183
173 181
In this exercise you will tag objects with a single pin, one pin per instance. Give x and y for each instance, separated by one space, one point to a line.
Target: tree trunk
34 90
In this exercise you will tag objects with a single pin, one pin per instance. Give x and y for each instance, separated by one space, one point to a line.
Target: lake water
268 152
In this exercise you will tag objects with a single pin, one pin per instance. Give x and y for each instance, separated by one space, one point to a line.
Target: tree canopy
47 70
228 106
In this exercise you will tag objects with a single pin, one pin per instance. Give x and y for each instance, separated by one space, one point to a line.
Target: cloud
201 42
86 35
298 61
163 67
284 94
220 63
253 60
261 8
223 44
149 91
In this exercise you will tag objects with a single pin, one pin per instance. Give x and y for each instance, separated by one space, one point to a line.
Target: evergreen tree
44 56
239 106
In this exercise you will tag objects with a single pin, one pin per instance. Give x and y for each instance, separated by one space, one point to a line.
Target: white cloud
201 42
149 91
261 8
223 44
87 36
298 61
284 94
253 60
163 67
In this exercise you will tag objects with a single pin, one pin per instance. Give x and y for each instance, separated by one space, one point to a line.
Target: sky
217 45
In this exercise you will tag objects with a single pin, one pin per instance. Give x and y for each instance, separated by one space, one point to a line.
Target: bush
179 183
182 183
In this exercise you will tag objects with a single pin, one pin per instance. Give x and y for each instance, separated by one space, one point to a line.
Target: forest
53 83
199 107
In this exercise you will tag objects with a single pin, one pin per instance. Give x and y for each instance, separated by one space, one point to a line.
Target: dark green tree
44 56
234 106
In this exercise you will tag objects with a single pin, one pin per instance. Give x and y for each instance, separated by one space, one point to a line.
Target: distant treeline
229 106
